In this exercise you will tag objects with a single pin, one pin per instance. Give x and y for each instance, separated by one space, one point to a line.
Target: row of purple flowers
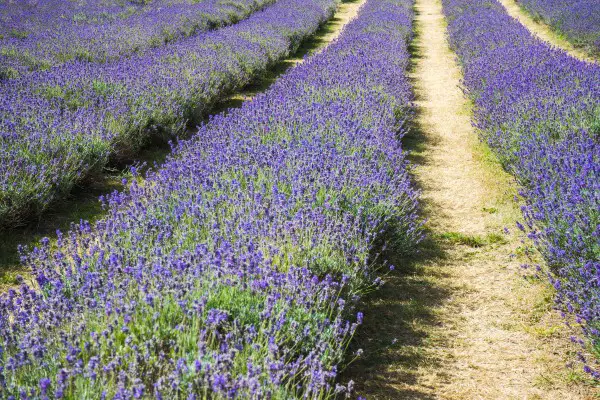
56 32
577 20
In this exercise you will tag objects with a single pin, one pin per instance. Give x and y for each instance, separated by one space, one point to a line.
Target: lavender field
404 204
60 124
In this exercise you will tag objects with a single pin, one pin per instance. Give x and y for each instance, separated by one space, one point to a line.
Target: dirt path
462 322
543 31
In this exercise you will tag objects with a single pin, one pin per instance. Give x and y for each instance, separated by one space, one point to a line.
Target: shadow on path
392 336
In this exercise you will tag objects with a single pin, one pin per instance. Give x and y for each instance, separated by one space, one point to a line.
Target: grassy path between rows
462 322
543 31
83 201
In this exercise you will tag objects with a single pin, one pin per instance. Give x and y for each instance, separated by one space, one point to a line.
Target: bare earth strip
543 31
462 322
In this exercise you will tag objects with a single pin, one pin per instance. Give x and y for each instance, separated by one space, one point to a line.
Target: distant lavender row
36 43
23 18
233 271
539 109
577 20
57 125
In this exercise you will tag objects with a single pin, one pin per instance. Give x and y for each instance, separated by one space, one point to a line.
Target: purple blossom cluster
21 19
58 125
577 20
234 270
539 109
56 32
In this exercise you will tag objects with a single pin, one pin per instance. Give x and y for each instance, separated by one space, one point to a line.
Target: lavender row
539 109
57 125
578 21
36 40
21 19
234 271
24 18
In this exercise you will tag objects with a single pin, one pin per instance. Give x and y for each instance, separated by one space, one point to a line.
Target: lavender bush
25 17
539 109
57 125
56 32
233 271
577 20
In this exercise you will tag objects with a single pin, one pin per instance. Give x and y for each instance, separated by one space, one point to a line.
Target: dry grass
461 321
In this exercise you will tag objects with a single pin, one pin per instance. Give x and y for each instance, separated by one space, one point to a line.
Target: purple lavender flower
577 20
